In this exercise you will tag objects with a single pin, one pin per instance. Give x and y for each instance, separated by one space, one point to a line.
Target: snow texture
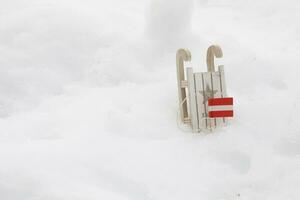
88 100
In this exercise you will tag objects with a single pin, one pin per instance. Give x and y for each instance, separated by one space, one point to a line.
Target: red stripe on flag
220 101
222 113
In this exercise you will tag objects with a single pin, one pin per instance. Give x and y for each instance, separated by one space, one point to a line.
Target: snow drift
88 100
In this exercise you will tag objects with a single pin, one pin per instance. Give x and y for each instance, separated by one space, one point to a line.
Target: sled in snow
203 99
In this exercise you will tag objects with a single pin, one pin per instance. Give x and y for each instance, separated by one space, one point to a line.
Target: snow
88 100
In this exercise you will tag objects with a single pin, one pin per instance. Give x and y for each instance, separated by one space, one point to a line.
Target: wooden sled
202 96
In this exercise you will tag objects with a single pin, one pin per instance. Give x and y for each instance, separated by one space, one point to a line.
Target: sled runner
203 99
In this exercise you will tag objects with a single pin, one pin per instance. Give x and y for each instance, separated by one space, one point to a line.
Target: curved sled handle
212 52
181 56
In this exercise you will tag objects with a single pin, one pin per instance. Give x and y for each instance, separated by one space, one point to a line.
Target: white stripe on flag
219 108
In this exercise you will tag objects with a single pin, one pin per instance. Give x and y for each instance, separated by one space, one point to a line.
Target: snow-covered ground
88 100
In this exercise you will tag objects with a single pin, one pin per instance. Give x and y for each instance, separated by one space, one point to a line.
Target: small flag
220 107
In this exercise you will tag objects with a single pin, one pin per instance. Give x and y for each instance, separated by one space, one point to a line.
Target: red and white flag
220 107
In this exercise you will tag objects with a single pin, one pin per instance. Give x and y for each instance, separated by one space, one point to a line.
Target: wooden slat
193 111
223 87
201 93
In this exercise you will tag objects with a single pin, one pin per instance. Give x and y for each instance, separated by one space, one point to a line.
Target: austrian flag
220 107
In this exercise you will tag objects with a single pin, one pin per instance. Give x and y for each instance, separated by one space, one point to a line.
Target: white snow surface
88 100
